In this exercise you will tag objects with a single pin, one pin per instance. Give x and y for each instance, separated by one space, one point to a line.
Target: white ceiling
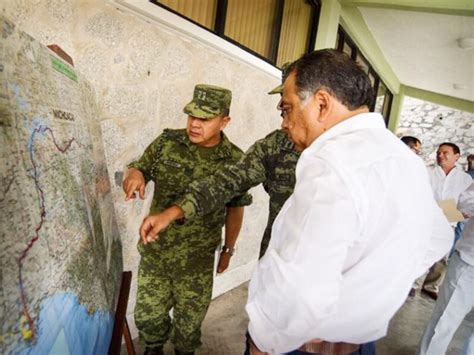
422 49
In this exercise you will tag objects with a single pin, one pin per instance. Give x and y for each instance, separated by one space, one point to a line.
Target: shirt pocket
172 177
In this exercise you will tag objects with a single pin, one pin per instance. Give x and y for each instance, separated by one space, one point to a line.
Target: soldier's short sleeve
189 206
228 185
240 201
149 158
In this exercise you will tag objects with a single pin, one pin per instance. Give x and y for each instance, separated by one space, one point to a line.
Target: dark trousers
365 349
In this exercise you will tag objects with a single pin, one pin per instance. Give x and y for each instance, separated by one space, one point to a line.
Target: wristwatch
228 250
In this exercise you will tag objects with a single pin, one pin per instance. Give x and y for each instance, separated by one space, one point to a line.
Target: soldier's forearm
233 223
173 213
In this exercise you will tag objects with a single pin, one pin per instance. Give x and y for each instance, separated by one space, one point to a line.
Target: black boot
177 352
156 350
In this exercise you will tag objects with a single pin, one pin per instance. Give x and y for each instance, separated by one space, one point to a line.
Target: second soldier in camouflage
270 161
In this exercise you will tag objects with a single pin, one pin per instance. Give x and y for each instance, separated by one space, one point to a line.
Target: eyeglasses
285 109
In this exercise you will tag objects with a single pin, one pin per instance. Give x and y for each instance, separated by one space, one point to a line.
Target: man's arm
297 284
207 195
441 241
466 201
138 173
233 223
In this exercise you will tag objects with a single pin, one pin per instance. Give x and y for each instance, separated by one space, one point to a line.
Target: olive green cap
208 101
285 71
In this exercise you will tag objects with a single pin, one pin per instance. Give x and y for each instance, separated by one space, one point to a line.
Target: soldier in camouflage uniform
270 161
176 270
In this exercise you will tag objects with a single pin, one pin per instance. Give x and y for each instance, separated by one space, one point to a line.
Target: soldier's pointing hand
132 183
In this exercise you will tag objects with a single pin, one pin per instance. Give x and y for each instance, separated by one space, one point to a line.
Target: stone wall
143 74
434 124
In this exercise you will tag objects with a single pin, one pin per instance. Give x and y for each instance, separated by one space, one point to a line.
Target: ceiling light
466 43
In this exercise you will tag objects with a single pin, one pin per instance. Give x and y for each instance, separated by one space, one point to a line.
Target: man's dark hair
225 113
410 140
335 72
470 161
456 149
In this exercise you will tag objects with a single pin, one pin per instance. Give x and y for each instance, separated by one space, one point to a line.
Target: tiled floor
226 323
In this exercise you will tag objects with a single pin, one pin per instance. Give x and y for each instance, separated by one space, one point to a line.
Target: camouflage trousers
179 281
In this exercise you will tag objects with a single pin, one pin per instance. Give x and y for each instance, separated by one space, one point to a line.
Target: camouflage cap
285 71
208 101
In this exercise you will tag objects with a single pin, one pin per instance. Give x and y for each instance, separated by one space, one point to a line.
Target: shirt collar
223 149
354 123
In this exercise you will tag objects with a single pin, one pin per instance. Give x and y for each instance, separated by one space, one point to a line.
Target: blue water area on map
65 327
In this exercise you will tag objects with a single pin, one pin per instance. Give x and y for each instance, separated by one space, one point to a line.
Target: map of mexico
61 252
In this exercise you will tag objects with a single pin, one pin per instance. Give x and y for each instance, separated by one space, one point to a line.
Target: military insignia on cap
208 101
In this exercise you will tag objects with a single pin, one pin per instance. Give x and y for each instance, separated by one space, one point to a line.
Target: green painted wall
328 24
450 7
397 105
459 104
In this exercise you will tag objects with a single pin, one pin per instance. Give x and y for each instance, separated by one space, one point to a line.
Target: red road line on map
30 244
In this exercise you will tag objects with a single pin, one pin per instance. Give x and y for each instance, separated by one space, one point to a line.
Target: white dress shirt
360 227
448 186
465 245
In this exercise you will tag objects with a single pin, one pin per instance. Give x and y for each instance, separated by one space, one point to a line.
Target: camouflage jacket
271 161
173 163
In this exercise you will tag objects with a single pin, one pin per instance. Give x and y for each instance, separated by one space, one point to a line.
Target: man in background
448 182
413 143
470 165
456 296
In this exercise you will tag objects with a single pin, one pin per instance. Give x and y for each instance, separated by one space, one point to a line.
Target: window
251 24
277 31
200 11
295 31
383 102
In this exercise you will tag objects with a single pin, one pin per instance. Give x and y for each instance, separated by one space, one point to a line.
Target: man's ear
323 102
225 122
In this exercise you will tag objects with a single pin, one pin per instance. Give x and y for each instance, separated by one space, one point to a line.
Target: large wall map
60 254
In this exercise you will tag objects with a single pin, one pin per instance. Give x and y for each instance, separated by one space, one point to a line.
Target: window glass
251 23
387 106
295 30
347 49
277 31
372 79
379 101
200 11
363 63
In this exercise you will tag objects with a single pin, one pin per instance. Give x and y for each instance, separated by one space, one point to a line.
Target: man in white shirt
448 182
456 297
362 213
